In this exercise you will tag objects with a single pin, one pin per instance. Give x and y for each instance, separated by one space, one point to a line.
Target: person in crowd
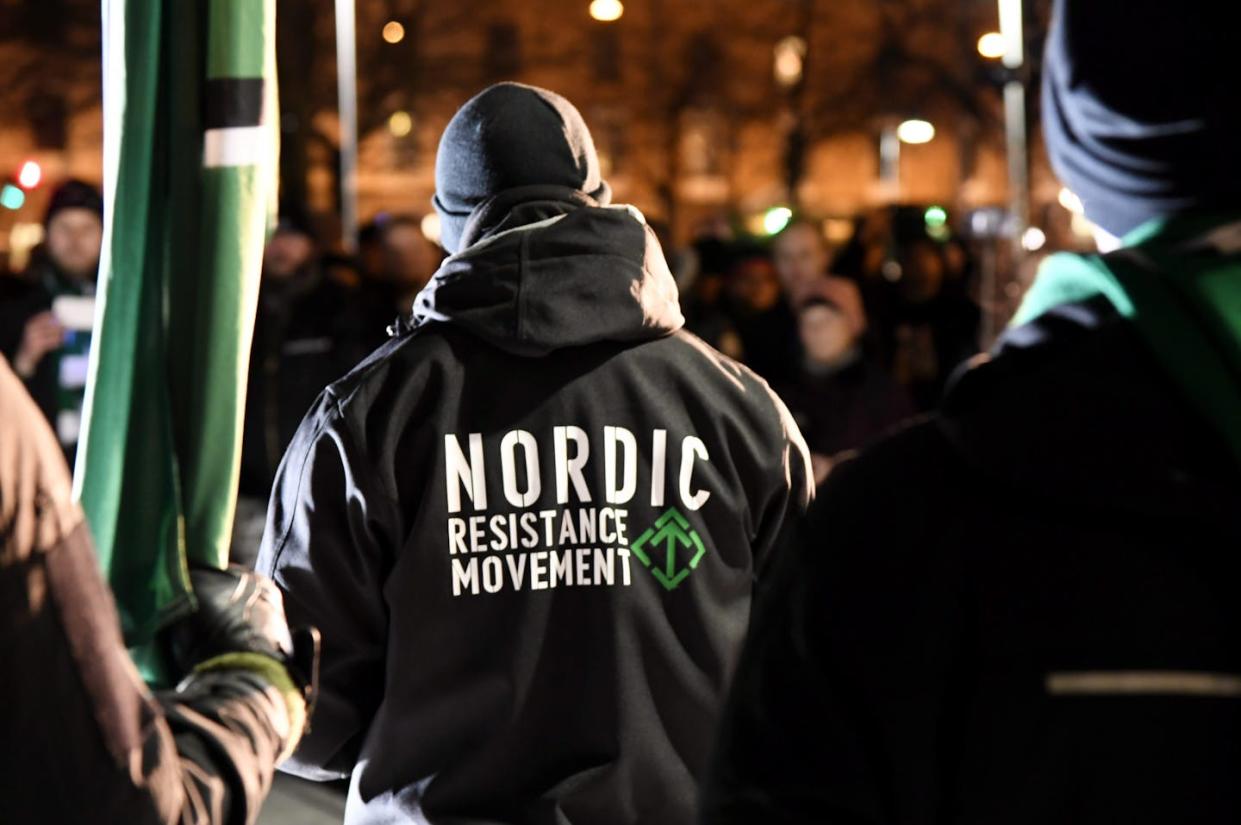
922 321
529 526
932 323
371 251
85 741
703 300
309 330
801 257
397 262
762 318
46 314
1025 608
840 399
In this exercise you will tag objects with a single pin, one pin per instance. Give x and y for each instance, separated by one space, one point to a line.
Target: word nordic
571 451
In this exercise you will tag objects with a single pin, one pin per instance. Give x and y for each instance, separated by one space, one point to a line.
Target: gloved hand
239 611
240 623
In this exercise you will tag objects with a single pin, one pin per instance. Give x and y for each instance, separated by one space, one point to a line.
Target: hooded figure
1027 607
529 525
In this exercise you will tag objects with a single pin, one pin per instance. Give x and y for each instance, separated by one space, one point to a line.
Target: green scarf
1178 281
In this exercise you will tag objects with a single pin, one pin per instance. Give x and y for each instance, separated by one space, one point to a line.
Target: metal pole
1018 169
1018 165
1015 122
890 162
347 96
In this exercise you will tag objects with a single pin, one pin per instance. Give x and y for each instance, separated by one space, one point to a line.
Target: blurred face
371 256
923 273
825 333
408 258
286 253
800 258
73 240
754 286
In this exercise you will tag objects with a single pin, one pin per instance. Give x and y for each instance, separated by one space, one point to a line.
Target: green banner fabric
190 160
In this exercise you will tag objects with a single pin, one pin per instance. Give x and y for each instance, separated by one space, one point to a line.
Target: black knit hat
74 194
511 135
1140 107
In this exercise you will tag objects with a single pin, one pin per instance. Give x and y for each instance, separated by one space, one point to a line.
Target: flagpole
1012 28
347 95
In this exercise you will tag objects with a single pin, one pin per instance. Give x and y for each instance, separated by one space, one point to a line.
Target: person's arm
324 547
92 743
838 710
791 485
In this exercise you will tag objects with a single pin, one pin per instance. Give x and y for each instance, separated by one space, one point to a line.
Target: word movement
580 542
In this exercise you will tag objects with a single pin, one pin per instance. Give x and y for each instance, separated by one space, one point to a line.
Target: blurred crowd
854 338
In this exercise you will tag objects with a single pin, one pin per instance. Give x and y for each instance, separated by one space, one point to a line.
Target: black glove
240 611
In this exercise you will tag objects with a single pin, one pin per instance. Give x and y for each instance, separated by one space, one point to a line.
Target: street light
915 131
776 218
936 219
935 216
1033 239
30 174
992 45
790 56
400 124
606 11
393 32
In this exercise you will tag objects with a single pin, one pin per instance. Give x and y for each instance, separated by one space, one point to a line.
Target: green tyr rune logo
671 531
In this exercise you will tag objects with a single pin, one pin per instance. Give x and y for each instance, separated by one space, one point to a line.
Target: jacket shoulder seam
301 475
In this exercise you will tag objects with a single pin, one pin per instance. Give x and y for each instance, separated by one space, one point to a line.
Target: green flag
190 147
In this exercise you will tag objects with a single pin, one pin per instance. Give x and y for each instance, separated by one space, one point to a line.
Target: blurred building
50 112
698 107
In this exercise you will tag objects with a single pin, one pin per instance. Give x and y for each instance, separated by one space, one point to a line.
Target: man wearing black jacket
530 525
1025 609
45 313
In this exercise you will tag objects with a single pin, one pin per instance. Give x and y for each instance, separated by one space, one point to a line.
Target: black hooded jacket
1023 609
529 529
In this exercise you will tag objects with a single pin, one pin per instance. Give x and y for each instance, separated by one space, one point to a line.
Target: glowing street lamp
790 56
30 174
400 124
606 11
1033 239
393 32
915 131
992 45
776 218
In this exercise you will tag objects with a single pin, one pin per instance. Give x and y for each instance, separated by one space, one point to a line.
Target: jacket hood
554 270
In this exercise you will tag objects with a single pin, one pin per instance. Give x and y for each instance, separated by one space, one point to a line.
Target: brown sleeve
86 741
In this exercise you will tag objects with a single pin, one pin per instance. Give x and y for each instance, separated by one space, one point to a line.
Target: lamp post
347 104
1012 29
914 131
